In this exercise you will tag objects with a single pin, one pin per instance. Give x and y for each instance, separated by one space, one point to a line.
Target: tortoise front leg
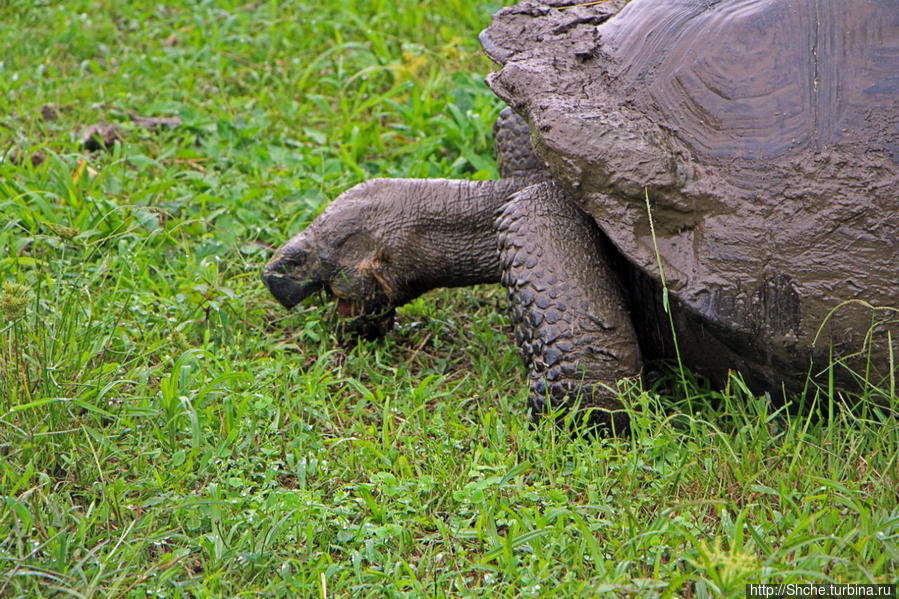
571 320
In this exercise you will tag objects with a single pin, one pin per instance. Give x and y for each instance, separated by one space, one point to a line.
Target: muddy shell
762 138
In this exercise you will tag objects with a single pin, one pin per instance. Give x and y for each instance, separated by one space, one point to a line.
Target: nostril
273 269
286 260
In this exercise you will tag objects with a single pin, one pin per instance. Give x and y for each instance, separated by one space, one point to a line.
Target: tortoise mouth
348 308
369 319
370 324
288 291
353 308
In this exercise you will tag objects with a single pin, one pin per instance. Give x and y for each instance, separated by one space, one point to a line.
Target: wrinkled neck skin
387 241
436 233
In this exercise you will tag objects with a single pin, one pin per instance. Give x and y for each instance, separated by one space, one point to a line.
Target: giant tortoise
711 180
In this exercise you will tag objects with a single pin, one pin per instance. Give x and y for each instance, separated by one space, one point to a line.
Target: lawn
168 430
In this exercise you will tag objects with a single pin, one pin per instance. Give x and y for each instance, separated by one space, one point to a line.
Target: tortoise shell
754 143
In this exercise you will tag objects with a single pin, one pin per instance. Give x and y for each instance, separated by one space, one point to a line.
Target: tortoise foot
571 321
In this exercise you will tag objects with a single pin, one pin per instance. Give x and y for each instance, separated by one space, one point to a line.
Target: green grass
166 429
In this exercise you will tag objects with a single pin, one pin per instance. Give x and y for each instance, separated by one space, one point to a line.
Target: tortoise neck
442 234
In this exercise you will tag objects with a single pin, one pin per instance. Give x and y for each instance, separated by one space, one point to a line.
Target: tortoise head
339 253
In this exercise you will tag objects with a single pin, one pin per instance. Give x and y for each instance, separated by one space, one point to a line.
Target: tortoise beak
280 278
